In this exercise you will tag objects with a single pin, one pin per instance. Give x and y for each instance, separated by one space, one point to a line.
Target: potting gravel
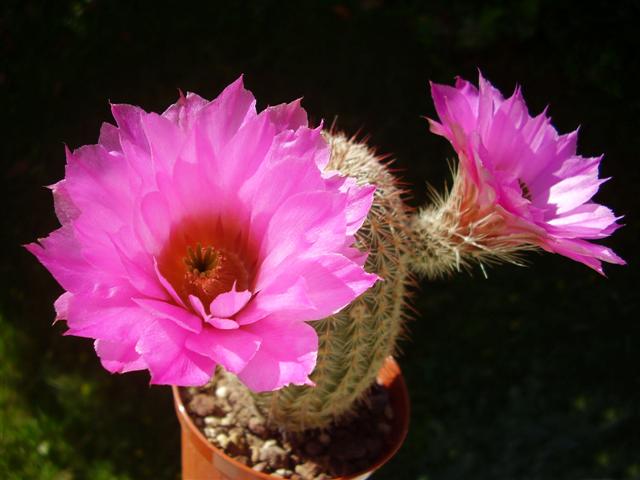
225 411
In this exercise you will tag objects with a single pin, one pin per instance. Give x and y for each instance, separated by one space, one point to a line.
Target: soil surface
225 412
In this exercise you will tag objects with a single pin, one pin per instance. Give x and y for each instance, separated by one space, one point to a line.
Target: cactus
354 342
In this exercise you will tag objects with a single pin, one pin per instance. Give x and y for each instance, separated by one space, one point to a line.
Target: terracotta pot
203 461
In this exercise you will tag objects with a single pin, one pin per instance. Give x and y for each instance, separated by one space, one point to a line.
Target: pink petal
359 202
333 281
66 210
165 141
139 269
232 349
289 168
221 119
584 252
573 191
308 222
108 315
222 323
244 153
61 306
128 119
99 181
185 110
118 357
456 108
586 221
162 347
274 367
288 115
197 305
153 224
286 298
179 315
167 286
189 191
229 303
61 254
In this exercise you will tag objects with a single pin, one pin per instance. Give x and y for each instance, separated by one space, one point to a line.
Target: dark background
529 374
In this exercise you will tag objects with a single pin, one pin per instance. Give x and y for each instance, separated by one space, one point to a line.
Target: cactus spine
354 343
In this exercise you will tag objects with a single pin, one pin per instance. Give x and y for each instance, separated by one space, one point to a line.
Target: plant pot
201 460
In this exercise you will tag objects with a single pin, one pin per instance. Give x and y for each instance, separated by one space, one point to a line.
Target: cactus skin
354 342
456 232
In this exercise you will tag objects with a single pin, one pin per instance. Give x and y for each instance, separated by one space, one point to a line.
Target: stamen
526 193
201 260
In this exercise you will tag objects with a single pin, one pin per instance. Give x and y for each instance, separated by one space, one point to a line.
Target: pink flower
206 235
519 166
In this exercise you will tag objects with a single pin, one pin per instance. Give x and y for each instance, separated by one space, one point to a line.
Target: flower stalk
456 232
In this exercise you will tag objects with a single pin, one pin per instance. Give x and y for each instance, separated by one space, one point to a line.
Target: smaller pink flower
519 166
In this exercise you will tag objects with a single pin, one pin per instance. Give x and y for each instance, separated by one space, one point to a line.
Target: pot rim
390 376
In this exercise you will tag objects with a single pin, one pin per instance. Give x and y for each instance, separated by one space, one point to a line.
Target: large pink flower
206 235
519 165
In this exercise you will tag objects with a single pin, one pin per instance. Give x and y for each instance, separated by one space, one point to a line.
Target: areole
203 461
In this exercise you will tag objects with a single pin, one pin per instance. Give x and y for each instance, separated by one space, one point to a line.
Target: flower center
206 255
211 271
526 193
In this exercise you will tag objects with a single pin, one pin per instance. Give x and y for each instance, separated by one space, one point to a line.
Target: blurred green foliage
529 374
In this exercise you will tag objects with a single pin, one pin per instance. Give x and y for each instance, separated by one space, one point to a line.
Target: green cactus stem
354 343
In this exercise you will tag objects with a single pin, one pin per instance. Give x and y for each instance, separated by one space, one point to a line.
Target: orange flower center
210 272
207 256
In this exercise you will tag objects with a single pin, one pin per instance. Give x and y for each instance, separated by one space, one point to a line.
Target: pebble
255 454
307 469
233 397
236 435
222 392
235 426
259 467
212 421
202 405
222 440
258 427
276 457
283 472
